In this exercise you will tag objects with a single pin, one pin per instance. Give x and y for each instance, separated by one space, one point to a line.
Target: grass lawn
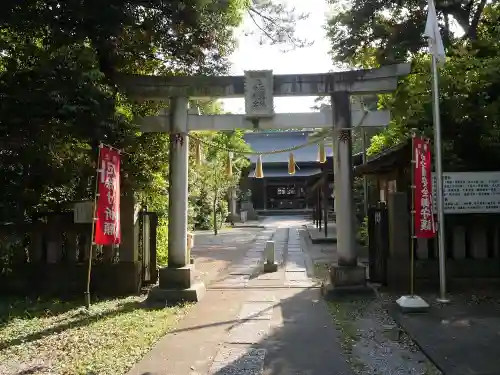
53 337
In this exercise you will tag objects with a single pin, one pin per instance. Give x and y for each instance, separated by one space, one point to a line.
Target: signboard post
82 212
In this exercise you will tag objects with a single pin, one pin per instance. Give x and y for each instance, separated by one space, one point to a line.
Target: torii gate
259 88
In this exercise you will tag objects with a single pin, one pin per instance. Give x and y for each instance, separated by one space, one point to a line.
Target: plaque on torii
259 99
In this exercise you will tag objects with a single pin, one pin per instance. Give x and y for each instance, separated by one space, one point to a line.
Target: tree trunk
216 230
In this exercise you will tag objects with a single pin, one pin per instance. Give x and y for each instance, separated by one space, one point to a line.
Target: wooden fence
472 247
50 256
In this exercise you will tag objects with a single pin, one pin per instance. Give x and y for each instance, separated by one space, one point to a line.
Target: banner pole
412 302
412 239
89 264
439 182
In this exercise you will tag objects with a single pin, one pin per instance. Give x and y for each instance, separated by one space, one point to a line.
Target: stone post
128 222
399 233
346 273
232 204
270 255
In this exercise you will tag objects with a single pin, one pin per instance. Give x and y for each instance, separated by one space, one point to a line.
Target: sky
250 55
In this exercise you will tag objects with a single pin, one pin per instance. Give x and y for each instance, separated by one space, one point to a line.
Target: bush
202 215
362 234
162 242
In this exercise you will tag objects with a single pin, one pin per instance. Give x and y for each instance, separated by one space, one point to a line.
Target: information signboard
470 192
82 212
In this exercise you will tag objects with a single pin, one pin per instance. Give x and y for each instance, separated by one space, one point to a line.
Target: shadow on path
293 336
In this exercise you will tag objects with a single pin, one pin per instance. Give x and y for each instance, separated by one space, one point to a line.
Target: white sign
470 192
82 212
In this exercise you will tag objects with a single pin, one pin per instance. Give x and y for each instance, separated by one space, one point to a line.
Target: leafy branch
277 24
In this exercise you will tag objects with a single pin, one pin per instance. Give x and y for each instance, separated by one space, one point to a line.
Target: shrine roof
279 140
390 159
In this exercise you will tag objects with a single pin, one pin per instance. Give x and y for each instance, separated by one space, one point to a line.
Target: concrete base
413 303
176 278
177 285
270 267
161 297
346 281
331 292
347 276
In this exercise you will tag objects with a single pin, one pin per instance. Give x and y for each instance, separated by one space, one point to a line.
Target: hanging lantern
322 153
258 168
291 164
197 152
229 166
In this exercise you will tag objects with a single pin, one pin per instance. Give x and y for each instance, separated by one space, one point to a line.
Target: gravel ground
374 343
372 340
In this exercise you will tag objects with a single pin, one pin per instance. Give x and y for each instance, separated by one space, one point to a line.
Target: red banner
107 226
425 226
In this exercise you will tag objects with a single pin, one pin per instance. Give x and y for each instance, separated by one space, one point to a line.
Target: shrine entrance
259 89
285 196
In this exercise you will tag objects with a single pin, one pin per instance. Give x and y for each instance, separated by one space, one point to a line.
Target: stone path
254 323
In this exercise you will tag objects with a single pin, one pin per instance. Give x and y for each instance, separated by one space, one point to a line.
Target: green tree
211 181
59 66
370 32
469 101
276 22
216 184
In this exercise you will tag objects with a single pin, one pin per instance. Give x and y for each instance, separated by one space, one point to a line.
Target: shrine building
278 191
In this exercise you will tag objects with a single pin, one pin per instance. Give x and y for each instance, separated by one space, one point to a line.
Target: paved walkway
255 323
461 338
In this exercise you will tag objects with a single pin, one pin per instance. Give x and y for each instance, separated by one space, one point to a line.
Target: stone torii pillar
342 159
178 182
346 272
177 281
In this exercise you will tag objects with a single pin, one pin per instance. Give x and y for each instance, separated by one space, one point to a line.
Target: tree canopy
368 32
59 62
372 33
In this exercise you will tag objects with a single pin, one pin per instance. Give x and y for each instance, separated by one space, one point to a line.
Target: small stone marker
270 254
392 332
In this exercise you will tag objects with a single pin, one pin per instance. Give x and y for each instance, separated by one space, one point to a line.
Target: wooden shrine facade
278 191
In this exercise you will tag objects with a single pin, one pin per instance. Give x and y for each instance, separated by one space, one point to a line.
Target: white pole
439 178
